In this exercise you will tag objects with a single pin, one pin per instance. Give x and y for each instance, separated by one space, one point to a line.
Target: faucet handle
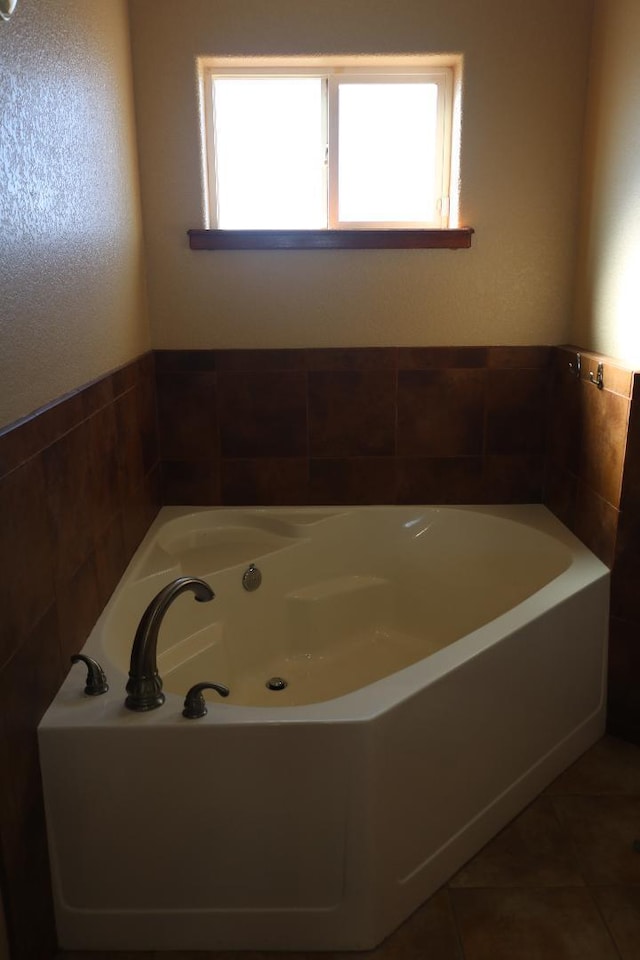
194 705
96 680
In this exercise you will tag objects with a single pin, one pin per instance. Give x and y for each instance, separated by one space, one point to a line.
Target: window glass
387 150
269 152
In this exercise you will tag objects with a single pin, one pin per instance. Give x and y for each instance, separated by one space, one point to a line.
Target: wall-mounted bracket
576 367
599 377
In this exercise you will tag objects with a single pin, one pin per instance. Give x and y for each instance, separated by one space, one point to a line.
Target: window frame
454 236
442 78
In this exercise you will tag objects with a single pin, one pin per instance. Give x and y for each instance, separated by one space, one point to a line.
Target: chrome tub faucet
144 688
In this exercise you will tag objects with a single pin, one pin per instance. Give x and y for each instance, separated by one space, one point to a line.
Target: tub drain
276 683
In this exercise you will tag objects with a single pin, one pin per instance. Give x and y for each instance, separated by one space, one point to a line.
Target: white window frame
334 72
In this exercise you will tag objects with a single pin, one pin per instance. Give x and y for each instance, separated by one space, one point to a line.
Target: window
339 145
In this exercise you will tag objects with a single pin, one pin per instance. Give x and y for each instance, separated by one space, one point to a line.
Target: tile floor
561 882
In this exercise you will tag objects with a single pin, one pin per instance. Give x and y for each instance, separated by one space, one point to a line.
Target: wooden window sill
455 239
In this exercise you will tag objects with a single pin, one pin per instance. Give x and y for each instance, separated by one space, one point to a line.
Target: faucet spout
144 688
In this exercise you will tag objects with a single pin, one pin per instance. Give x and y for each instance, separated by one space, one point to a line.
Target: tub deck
401 586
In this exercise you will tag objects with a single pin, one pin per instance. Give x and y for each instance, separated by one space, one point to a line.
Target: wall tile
70 496
28 683
440 413
359 480
596 523
441 358
79 607
626 569
505 358
124 378
254 361
190 482
14 449
565 428
20 442
139 511
172 361
439 480
111 559
517 403
265 481
97 395
27 555
515 478
106 455
616 380
188 413
604 433
147 417
130 461
630 497
263 414
355 358
351 414
560 493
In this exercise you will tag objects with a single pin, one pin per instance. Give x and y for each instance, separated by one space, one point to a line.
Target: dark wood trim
457 239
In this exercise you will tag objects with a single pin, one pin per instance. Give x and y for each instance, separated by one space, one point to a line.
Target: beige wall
607 314
524 97
72 301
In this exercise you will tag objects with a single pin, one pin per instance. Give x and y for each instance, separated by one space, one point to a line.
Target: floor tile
231 955
532 851
620 908
602 831
109 955
610 767
429 932
532 924
221 955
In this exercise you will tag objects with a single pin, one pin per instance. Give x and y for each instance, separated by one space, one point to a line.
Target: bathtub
442 666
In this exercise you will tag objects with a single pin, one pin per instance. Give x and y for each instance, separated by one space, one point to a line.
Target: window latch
443 206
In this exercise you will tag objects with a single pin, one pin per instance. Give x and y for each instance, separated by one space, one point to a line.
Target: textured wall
606 316
72 303
524 95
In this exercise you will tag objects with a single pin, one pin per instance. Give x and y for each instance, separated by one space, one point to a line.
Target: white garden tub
443 665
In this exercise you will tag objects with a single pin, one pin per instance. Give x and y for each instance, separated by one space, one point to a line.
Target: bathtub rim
72 708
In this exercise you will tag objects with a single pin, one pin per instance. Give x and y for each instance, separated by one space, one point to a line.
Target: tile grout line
566 833
604 923
456 924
